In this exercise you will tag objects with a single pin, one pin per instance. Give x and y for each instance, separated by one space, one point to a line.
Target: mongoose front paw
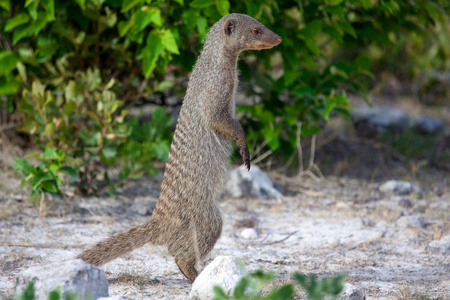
245 157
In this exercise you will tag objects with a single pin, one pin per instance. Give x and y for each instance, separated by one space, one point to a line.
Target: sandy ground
334 226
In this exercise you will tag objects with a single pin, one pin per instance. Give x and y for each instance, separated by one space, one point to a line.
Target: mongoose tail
118 245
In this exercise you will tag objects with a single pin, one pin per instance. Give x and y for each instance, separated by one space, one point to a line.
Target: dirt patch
335 226
341 224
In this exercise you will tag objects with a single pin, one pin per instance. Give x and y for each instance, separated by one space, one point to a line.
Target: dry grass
411 293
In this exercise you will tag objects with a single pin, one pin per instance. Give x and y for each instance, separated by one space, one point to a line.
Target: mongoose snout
187 218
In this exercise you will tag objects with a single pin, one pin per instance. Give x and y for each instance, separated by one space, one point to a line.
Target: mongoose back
186 218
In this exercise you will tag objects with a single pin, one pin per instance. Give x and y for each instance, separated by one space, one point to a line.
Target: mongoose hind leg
187 268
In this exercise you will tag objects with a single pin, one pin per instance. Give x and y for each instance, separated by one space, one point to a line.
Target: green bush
82 120
64 65
251 287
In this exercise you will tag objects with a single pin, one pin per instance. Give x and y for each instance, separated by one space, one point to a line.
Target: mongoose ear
230 26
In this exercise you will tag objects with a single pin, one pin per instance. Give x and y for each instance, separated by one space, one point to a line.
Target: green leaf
49 5
54 295
23 166
6 5
179 2
162 150
219 293
109 152
147 15
223 6
50 186
168 40
151 52
202 3
71 90
9 87
40 22
39 179
347 27
22 71
15 21
8 61
81 4
22 31
72 172
124 26
32 8
333 2
312 29
312 46
367 4
129 4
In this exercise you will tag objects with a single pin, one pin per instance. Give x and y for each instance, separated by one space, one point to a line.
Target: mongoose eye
256 31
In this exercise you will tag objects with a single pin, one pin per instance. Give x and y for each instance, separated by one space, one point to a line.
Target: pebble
249 233
398 187
253 183
223 271
414 221
439 247
87 280
351 292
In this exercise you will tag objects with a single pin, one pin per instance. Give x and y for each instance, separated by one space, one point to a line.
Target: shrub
85 122
251 286
136 51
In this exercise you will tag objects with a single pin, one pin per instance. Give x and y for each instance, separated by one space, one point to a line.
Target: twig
270 243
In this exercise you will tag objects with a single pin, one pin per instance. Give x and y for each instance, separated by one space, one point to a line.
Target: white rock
113 298
70 276
370 121
249 233
398 187
334 242
351 292
428 124
224 271
414 221
253 183
439 247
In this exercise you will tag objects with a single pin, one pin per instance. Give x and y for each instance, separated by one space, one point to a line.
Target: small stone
429 125
223 271
406 203
439 247
371 121
334 242
398 187
253 183
415 221
351 292
249 233
85 279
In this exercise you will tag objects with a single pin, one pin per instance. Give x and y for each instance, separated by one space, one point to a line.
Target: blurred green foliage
81 119
251 287
29 294
64 65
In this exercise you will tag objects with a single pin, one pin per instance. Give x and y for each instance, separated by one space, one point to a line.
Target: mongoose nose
279 40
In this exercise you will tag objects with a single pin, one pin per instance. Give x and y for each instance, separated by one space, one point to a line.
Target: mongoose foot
188 269
245 156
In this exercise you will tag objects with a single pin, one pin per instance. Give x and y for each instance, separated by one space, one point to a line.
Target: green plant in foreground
45 177
250 287
28 294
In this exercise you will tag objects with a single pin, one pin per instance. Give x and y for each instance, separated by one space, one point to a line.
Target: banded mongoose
186 218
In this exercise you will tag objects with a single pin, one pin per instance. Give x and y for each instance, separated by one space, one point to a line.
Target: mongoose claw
245 157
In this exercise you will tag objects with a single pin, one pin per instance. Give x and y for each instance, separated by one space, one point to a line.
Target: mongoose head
243 32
